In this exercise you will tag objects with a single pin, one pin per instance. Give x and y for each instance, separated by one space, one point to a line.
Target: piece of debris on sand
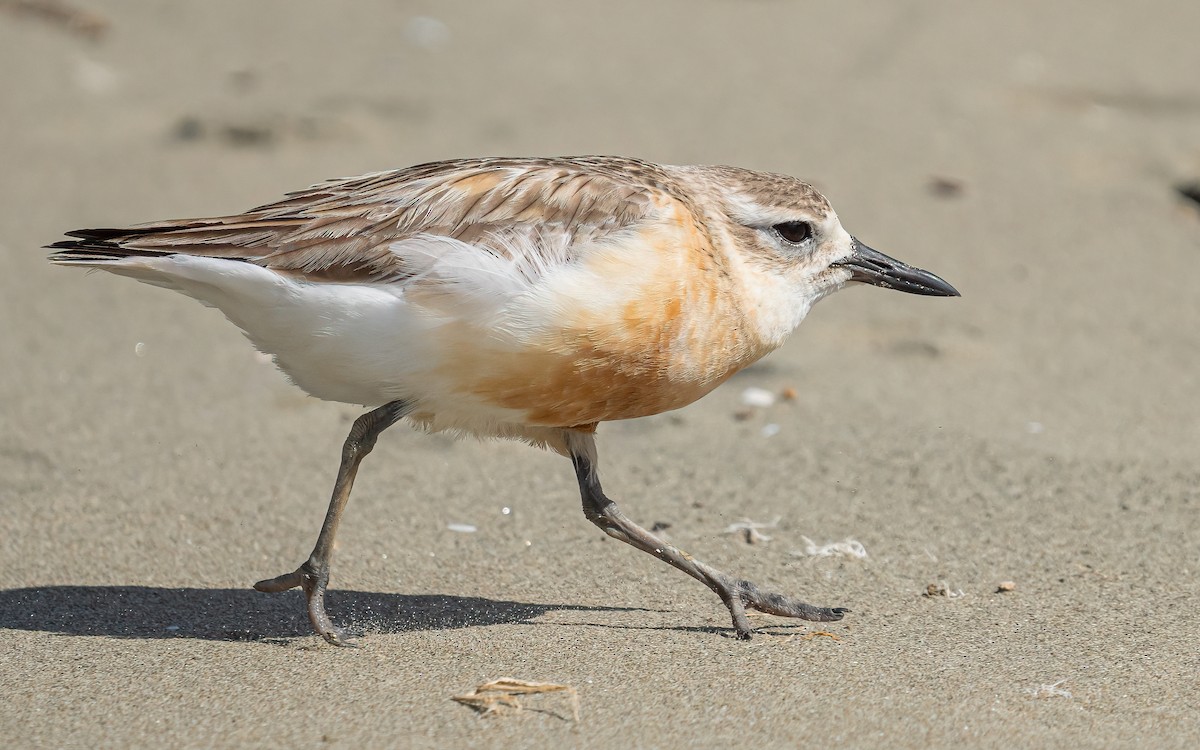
750 531
847 548
946 187
498 695
1190 191
941 588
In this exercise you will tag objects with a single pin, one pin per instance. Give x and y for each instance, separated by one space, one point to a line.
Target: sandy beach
1042 431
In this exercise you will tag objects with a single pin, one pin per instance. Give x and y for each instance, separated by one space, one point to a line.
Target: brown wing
342 230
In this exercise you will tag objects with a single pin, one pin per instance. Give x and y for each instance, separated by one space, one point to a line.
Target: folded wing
519 216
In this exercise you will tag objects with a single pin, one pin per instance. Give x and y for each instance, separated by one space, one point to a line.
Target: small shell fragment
758 397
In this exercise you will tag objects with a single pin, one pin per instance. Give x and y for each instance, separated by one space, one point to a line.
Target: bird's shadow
245 615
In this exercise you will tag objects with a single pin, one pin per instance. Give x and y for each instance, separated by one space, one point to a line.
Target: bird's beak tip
869 266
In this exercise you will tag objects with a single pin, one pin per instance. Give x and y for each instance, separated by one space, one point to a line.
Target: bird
519 298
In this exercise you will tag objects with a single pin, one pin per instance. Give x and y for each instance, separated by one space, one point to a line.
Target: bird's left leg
736 593
313 575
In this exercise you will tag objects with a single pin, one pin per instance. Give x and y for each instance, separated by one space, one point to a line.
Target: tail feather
108 244
78 252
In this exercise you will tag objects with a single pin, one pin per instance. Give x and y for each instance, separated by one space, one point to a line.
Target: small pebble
946 187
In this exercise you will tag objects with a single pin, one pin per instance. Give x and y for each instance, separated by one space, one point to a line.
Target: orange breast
676 333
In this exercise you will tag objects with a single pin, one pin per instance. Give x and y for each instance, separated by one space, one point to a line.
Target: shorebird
519 298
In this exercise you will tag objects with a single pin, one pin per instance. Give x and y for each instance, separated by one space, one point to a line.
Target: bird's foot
313 579
740 595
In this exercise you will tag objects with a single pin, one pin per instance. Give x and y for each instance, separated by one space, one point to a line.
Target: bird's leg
313 575
738 594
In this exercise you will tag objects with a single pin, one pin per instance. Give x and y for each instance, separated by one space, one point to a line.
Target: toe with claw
312 580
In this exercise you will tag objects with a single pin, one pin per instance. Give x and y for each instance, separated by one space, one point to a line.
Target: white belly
353 343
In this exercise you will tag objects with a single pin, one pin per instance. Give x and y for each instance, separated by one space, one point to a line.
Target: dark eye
794 232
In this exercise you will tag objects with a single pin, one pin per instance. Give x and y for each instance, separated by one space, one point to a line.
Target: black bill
873 267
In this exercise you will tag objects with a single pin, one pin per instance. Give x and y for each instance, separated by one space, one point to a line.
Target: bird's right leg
313 575
737 594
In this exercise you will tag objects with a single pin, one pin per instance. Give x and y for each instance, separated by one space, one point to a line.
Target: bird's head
789 234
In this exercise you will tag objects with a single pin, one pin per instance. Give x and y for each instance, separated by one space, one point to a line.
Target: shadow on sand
245 615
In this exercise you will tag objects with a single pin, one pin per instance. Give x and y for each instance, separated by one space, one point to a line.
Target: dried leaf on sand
498 695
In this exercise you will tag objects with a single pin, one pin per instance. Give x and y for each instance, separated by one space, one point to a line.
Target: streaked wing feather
354 229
